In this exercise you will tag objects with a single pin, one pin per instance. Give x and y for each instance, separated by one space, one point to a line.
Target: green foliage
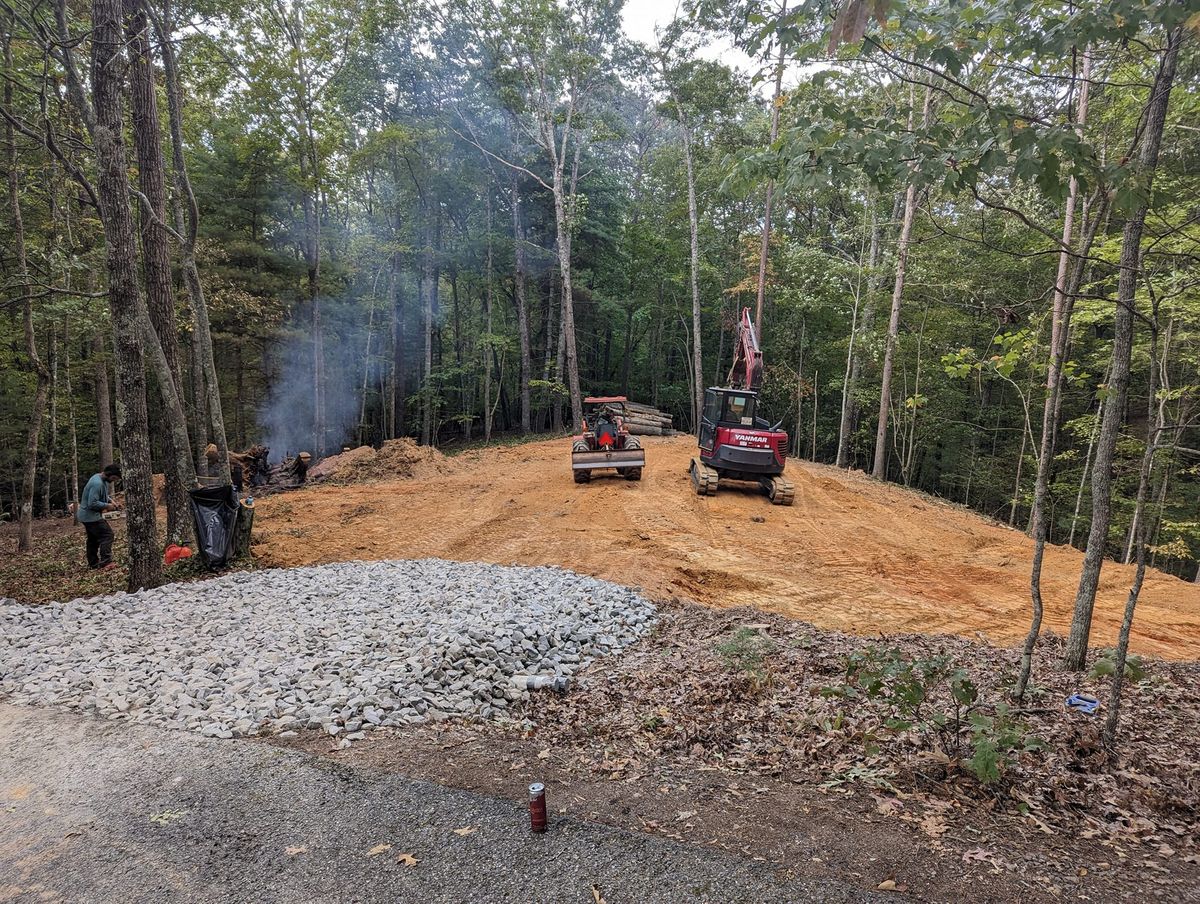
746 652
1105 666
935 700
553 387
414 129
994 741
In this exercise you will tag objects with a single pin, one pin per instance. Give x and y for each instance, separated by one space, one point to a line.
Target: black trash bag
215 514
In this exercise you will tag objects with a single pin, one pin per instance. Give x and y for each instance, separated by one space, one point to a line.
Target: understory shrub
934 700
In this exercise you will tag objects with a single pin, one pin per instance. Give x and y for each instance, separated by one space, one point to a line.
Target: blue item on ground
1083 703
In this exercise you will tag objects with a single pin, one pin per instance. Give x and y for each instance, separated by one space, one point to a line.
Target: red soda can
537 807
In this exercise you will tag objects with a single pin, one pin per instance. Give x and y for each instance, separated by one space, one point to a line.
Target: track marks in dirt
851 554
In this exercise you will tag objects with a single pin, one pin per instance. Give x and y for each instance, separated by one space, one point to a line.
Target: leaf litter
671 719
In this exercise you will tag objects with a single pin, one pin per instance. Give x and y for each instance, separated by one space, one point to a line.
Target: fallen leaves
674 701
597 898
407 859
887 806
379 849
293 850
466 830
933 826
991 858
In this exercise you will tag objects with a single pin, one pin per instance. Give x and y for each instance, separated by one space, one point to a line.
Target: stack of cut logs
643 420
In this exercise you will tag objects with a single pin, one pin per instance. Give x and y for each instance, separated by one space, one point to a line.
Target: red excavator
735 443
604 441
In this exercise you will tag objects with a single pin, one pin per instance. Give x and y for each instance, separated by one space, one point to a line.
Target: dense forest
968 232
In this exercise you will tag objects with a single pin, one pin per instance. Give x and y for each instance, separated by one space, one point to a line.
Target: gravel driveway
93 811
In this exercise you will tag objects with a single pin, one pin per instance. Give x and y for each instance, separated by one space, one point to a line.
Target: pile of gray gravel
343 647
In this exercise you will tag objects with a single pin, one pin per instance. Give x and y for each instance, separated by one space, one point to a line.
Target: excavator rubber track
781 490
704 479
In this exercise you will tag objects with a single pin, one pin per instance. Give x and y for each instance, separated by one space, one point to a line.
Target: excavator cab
725 408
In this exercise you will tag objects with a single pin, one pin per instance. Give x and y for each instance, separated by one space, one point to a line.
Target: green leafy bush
1106 666
935 699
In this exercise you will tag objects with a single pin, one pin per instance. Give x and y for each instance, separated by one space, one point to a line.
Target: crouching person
95 501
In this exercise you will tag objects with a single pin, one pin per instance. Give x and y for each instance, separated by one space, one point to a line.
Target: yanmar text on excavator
735 443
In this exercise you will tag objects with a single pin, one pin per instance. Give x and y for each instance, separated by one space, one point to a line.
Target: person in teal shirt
95 501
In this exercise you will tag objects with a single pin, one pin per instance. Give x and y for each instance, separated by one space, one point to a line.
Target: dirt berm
851 554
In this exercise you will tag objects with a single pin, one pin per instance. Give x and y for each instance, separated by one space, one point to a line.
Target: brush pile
401 458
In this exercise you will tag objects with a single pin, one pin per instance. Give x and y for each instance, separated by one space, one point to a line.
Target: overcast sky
641 17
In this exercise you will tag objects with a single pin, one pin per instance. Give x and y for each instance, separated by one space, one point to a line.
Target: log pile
643 420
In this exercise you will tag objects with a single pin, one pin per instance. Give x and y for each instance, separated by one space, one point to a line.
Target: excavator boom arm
746 372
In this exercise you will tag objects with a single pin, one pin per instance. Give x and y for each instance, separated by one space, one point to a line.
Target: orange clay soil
851 554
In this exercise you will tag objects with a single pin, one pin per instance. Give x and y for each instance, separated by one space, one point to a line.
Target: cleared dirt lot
851 554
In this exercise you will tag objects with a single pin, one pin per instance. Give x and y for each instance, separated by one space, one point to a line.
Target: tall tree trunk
908 450
103 395
1087 462
560 357
1061 314
563 241
396 387
1155 422
172 402
366 373
1067 285
291 19
488 345
156 260
37 367
52 426
766 230
108 38
320 430
200 418
626 362
1016 494
694 231
239 393
191 273
465 403
816 400
553 303
799 431
850 406
427 279
522 306
1118 383
879 468
73 486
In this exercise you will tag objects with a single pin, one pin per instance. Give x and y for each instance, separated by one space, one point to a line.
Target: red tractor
735 443
605 441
